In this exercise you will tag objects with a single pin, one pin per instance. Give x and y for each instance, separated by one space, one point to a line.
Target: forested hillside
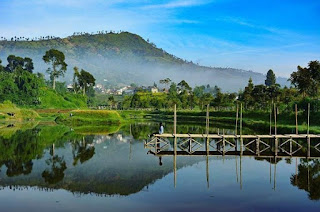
124 58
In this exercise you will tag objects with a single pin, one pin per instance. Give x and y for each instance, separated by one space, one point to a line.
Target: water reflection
308 178
56 157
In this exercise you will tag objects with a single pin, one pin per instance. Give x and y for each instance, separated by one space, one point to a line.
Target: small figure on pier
161 128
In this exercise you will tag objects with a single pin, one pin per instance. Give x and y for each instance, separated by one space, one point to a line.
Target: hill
125 58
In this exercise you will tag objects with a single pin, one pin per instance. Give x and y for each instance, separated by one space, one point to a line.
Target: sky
251 35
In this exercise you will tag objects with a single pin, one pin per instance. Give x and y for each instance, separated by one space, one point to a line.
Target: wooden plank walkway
219 136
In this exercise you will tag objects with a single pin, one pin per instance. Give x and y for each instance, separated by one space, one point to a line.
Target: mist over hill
117 59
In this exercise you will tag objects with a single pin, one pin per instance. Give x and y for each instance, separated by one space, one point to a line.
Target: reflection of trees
16 168
308 178
82 151
18 151
55 173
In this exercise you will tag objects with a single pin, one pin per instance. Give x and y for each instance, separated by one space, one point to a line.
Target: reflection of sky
255 35
150 186
191 191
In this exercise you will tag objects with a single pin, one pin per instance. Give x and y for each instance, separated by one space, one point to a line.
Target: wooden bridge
272 145
269 147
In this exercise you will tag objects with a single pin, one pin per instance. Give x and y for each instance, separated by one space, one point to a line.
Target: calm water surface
55 168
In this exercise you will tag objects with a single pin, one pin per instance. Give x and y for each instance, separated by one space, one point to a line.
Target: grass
50 99
7 108
89 117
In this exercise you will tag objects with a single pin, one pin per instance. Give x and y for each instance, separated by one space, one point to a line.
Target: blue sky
251 35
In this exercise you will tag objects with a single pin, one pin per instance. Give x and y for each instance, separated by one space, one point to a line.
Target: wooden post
207 129
237 114
290 146
296 176
270 170
308 176
175 120
240 172
275 119
207 170
276 146
175 170
296 109
241 140
275 173
308 118
258 146
223 144
207 120
175 129
308 140
237 168
241 120
270 133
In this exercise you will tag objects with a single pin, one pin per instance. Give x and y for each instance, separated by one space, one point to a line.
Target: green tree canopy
85 80
15 62
165 81
57 61
184 86
303 81
271 78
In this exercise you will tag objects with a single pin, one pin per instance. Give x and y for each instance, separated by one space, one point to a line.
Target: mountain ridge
123 58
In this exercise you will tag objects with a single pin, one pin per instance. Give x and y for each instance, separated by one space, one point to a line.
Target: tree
85 80
28 64
1 67
112 101
247 94
59 66
165 82
205 100
76 74
173 95
302 79
199 90
271 78
314 68
15 62
184 86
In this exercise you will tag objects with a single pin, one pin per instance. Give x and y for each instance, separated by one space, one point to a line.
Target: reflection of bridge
258 146
290 145
269 148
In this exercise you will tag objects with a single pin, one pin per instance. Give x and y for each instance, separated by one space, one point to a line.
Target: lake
57 168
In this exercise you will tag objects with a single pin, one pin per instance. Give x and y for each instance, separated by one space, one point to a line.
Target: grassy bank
54 100
9 112
89 117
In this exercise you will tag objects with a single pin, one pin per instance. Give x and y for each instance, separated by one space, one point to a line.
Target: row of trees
306 84
50 37
180 94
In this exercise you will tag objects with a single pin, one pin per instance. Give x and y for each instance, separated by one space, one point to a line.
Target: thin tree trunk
84 91
54 83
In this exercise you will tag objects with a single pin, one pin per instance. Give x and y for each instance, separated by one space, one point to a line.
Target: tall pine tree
271 78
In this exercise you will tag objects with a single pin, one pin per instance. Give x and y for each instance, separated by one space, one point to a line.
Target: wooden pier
272 145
